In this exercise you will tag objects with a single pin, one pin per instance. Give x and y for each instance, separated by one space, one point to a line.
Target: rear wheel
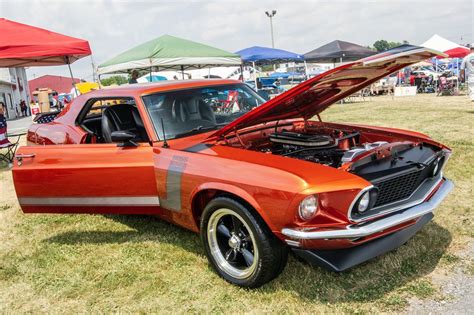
239 245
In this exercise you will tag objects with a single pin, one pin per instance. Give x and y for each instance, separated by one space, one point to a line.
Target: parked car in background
255 179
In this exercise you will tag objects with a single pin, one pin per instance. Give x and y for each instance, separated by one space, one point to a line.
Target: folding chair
7 147
445 87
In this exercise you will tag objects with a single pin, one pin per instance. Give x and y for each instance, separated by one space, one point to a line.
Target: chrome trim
293 243
361 192
355 231
135 201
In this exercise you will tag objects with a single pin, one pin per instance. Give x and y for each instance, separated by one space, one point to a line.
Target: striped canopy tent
169 53
450 48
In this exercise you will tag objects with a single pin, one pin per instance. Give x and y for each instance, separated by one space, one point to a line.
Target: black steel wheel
239 245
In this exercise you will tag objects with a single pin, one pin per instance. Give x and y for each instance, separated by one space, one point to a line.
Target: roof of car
147 88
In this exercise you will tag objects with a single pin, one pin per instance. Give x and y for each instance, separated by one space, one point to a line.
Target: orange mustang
254 178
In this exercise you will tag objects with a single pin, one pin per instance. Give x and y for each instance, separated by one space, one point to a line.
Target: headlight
308 207
364 202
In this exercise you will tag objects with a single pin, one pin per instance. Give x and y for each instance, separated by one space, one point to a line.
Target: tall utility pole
93 69
271 15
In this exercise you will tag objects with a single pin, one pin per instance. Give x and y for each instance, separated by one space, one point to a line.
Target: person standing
23 108
467 72
133 77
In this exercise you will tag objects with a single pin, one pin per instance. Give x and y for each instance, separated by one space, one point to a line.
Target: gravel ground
457 286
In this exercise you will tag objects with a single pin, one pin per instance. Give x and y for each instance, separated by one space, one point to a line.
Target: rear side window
98 106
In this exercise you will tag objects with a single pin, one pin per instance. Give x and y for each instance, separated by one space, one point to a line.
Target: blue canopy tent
257 55
263 55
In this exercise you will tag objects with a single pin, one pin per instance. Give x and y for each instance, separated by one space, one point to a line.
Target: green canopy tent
169 53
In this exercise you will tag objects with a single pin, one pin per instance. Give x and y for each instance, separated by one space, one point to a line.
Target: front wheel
239 245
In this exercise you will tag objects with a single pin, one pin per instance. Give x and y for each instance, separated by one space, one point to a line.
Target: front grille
400 187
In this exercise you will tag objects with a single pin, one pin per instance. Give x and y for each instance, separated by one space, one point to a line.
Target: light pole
271 15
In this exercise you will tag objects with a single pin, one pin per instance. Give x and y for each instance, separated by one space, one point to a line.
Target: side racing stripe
142 201
174 183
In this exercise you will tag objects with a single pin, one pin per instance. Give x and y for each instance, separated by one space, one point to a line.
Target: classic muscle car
256 179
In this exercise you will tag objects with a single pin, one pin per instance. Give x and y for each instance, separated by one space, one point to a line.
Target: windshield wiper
198 129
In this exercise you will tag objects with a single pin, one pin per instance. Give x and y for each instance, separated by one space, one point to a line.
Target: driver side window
103 116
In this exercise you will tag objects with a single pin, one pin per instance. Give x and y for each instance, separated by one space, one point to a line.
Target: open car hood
315 95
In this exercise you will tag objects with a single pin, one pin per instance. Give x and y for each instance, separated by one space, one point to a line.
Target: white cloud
114 26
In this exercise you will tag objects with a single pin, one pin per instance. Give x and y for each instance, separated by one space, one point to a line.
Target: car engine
333 149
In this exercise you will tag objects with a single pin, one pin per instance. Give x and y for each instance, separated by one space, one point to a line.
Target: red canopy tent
23 45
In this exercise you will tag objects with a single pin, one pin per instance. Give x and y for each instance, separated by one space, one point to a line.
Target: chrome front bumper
356 231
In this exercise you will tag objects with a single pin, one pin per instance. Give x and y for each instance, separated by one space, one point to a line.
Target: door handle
20 157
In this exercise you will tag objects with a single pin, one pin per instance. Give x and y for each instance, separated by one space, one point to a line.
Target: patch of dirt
457 286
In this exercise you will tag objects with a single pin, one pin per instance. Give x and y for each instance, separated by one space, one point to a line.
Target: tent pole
209 76
182 72
242 72
151 79
457 72
305 70
72 77
12 103
255 75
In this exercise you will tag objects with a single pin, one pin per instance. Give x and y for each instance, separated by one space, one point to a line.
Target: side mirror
123 138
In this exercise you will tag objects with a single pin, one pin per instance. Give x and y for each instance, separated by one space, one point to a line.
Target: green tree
115 79
382 44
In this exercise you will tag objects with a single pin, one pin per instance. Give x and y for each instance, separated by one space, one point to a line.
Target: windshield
187 112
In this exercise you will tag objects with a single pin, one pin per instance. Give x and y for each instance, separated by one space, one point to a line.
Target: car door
86 178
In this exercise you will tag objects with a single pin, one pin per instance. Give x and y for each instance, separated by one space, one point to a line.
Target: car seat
124 117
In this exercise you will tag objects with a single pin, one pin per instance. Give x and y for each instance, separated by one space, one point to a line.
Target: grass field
85 263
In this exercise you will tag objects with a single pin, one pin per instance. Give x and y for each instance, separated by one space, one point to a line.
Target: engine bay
366 153
328 149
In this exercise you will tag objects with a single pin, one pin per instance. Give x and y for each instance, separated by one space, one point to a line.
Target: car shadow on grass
145 228
368 282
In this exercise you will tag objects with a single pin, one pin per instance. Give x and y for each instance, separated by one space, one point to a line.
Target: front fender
237 191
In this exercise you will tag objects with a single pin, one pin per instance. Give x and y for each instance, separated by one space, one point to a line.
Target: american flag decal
3 132
46 117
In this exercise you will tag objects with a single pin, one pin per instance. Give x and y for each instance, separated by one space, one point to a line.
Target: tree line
382 45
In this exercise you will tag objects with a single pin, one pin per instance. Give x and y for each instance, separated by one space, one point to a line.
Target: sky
112 27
